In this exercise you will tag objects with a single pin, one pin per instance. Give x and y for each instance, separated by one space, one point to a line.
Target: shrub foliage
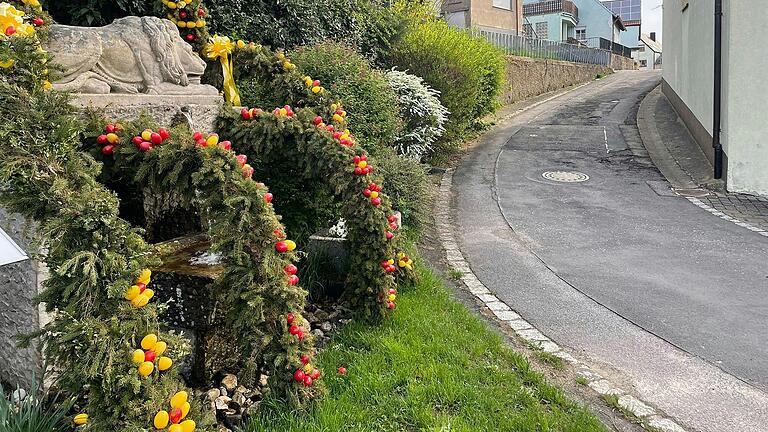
467 71
371 103
424 115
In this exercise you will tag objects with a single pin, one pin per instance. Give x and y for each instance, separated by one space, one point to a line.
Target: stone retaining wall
19 283
619 62
528 77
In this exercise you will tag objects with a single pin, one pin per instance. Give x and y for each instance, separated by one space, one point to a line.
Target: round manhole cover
565 176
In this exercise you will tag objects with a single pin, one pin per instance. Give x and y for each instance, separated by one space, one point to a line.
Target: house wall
554 25
597 18
688 46
689 77
745 91
489 17
631 37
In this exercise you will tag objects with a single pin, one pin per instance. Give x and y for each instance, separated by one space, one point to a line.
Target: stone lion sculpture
131 55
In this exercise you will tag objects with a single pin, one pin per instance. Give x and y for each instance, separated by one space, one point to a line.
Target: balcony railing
552 6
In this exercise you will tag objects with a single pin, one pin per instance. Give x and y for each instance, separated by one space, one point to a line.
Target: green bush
370 103
422 111
467 71
285 23
407 186
96 12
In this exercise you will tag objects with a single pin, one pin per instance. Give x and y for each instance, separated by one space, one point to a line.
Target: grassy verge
433 367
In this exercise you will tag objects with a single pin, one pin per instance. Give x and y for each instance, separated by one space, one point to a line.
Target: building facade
502 16
586 21
648 55
630 12
689 83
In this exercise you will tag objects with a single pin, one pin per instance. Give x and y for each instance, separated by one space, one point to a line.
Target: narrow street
560 213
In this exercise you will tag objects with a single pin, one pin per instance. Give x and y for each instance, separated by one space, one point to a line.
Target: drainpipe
717 109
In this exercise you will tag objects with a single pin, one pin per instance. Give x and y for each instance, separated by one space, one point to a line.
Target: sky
651 18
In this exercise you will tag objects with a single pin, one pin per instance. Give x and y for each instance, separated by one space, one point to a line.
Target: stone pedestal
198 111
20 282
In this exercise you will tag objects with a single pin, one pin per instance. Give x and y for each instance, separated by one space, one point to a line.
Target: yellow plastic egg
140 301
175 428
112 138
308 367
146 274
392 297
177 401
146 135
137 356
188 426
291 245
200 23
316 89
161 420
148 293
149 341
160 347
240 44
181 24
164 363
212 140
132 292
81 419
374 194
185 407
146 368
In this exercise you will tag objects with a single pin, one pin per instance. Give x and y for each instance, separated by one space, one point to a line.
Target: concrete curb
660 155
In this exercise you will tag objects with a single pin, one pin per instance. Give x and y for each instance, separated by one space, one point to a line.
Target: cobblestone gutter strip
721 214
649 417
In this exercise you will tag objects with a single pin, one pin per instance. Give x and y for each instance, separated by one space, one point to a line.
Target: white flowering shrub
422 112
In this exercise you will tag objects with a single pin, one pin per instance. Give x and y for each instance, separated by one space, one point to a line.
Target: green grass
433 367
455 274
550 359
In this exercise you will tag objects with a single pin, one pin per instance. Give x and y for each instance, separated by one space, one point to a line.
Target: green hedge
467 71
365 92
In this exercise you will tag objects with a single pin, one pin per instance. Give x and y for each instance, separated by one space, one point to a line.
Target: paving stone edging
699 203
650 418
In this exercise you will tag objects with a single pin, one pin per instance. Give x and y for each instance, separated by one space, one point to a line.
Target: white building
648 55
690 84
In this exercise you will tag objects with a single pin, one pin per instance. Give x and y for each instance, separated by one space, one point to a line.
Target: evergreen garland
190 16
316 155
256 292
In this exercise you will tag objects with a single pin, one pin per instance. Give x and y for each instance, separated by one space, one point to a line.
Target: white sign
10 252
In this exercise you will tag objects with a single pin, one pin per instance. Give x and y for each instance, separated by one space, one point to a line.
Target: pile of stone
325 323
233 402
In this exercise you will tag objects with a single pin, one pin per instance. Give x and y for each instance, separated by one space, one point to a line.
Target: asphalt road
664 297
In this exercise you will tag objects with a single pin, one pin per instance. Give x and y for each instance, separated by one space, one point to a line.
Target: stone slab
167 110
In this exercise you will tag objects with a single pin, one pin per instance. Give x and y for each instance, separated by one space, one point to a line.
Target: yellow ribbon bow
220 47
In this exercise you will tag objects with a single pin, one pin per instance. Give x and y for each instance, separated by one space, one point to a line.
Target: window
581 33
542 30
643 63
503 4
641 49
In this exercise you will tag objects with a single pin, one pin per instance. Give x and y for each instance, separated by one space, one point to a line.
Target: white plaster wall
745 91
688 46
